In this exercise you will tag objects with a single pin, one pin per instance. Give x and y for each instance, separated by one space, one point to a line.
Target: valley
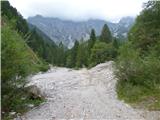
55 69
67 31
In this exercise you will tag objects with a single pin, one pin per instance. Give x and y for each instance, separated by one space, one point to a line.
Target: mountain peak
67 31
127 19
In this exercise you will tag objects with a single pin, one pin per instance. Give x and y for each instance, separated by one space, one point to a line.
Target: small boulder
34 92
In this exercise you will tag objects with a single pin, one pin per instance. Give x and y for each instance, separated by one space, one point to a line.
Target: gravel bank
82 94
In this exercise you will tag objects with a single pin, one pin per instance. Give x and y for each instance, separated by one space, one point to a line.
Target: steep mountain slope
42 34
69 31
40 43
18 61
123 26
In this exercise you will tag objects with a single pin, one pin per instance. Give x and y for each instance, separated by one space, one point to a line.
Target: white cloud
79 9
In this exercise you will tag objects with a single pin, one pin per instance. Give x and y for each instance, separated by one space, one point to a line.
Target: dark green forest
27 50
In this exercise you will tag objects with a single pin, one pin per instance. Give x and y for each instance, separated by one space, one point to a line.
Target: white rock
30 105
12 113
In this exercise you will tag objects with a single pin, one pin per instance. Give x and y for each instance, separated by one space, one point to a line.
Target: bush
102 52
18 61
138 76
44 68
139 61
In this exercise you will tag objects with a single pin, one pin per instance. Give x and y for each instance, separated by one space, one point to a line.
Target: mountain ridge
69 31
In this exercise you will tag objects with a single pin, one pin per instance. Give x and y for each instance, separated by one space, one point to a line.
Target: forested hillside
45 48
94 51
68 31
139 60
22 55
18 61
59 55
27 50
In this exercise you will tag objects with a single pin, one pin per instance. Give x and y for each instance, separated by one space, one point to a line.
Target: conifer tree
82 56
60 55
115 43
74 54
91 40
105 35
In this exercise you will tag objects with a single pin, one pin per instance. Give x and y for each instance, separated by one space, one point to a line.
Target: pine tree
74 51
82 55
79 58
115 43
105 35
91 40
145 32
61 55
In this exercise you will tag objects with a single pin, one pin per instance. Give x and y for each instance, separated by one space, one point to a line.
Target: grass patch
138 96
139 78
20 104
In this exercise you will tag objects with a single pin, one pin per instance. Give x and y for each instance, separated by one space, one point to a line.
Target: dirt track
82 94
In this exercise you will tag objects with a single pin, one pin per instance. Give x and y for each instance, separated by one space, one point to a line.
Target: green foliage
105 35
91 52
145 32
72 56
18 61
68 59
138 76
92 40
82 56
115 43
46 49
101 52
77 57
15 51
60 55
43 46
43 66
139 60
11 13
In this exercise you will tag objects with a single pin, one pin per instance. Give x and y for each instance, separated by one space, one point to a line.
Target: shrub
138 76
18 61
102 52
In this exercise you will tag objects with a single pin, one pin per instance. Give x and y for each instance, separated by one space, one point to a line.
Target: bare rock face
82 94
69 31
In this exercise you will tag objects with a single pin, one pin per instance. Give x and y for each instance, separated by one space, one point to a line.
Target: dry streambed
82 94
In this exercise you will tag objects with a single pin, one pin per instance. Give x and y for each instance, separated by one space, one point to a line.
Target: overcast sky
78 10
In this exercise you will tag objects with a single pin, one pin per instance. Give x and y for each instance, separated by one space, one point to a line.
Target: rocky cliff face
69 31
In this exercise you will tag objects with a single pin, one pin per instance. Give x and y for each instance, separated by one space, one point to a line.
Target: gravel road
82 94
